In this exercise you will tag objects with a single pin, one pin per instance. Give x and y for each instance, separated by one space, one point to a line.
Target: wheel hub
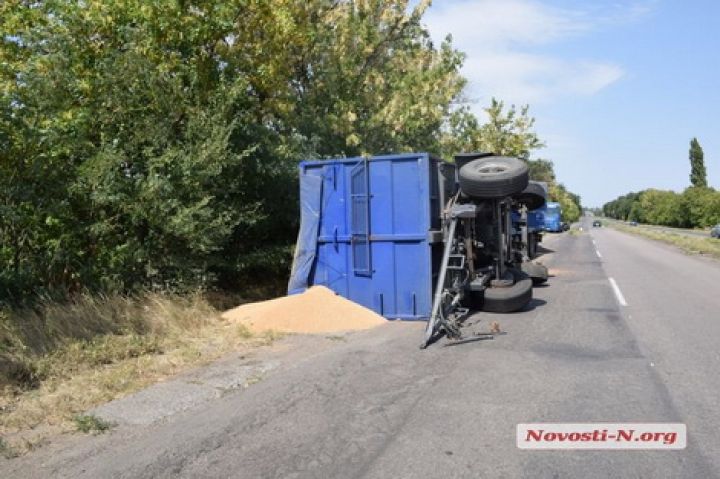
492 168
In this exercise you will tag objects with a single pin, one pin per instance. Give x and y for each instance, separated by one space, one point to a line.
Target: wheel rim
490 168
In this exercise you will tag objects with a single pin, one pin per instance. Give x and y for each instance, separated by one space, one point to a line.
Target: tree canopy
154 143
507 132
693 208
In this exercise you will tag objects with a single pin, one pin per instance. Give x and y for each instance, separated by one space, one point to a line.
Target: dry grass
59 360
689 244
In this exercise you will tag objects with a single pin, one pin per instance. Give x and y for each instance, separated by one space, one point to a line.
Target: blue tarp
306 247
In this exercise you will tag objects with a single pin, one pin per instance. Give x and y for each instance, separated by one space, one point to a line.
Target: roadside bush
664 208
703 206
569 202
696 207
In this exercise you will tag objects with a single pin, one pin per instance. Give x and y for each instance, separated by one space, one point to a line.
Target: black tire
533 196
532 245
537 272
473 300
493 177
510 299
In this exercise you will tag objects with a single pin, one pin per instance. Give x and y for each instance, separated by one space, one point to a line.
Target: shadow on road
534 303
471 339
541 250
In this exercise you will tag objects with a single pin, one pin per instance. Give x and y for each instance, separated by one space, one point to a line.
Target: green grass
90 423
689 244
6 450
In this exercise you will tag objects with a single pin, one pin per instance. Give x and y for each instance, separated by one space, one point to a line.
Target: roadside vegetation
89 423
59 360
696 207
154 146
570 203
689 244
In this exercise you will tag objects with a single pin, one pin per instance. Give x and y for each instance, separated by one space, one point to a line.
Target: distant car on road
715 232
597 223
633 223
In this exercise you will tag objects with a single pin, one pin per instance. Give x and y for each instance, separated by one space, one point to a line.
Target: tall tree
508 132
542 170
698 175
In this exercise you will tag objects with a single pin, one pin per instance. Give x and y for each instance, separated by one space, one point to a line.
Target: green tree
695 207
147 144
703 206
636 213
542 170
154 144
508 132
511 133
622 207
698 175
664 208
569 203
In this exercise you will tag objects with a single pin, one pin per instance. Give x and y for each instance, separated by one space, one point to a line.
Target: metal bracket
465 210
456 262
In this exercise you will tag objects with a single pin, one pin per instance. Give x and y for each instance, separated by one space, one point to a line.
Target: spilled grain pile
318 310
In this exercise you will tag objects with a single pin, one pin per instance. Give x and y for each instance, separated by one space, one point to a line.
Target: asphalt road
375 406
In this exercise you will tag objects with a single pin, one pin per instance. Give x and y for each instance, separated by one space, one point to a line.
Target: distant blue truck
535 228
529 225
552 217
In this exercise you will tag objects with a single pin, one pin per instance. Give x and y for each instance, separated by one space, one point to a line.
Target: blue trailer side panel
373 244
536 220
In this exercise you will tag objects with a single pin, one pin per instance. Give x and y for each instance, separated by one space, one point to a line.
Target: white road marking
594 243
598 254
618 293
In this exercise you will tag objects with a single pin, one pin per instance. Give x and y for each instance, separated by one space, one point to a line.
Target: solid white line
618 293
598 254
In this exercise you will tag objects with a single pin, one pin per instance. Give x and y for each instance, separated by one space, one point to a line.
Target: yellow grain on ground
317 310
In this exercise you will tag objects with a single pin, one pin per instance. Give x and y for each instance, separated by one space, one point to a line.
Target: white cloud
493 23
502 37
531 78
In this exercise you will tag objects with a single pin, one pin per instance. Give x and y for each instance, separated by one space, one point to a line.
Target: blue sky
618 88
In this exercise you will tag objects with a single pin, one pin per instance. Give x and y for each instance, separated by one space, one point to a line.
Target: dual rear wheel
494 178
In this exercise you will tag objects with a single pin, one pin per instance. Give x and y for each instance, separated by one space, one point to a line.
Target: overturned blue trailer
371 230
413 237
